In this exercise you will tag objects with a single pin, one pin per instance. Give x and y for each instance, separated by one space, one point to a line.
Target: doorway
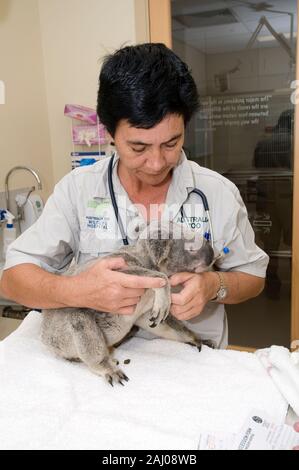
243 58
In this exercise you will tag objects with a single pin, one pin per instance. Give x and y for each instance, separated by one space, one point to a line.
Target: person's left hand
197 290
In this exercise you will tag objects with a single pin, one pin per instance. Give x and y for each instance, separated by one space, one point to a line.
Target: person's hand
103 288
197 290
296 427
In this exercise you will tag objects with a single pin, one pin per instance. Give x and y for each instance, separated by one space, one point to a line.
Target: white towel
174 392
283 367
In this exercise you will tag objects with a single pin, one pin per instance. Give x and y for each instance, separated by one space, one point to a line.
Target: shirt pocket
92 247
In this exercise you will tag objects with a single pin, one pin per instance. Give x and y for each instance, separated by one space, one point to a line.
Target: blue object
225 250
87 161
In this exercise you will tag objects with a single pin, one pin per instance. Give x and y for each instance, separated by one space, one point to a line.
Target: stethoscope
208 233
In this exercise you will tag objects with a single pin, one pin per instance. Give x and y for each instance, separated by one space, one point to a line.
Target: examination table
173 392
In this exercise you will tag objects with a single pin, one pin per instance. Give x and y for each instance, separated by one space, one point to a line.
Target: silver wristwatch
222 291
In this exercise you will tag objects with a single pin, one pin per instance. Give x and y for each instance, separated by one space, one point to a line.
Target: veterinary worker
146 98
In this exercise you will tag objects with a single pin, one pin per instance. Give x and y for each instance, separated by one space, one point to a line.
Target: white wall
50 55
24 131
76 35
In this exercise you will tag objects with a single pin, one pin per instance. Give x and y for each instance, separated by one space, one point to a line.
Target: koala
82 334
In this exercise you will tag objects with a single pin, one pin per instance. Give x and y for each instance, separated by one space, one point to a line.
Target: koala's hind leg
192 338
174 330
156 300
128 336
92 349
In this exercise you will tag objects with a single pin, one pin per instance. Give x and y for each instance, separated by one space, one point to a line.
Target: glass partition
242 55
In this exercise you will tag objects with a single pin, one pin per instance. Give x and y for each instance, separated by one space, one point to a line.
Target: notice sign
238 111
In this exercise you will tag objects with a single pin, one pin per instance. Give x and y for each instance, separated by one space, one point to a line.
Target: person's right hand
296 427
103 288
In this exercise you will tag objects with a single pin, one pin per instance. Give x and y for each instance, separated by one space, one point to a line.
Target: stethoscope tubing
114 203
209 235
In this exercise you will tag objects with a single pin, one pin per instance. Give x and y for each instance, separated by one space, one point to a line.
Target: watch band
222 291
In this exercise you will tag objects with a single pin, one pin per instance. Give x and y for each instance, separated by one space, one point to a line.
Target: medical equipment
9 231
89 135
86 158
81 113
208 234
30 207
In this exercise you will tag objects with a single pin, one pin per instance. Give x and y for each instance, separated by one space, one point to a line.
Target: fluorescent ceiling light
272 38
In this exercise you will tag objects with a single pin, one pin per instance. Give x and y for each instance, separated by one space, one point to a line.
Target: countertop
7 326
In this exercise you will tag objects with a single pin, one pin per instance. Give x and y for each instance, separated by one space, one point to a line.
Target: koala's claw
116 377
199 343
124 377
209 343
110 380
159 318
160 309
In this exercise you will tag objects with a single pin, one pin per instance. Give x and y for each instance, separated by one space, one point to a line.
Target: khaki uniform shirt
78 221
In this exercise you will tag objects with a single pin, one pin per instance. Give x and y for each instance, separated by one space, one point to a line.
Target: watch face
222 293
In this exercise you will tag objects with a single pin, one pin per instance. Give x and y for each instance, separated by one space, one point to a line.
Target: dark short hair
143 84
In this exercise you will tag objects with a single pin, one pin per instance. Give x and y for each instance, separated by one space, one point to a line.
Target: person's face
150 154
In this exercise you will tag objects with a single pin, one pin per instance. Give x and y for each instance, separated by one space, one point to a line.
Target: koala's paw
198 343
116 376
109 371
208 343
160 309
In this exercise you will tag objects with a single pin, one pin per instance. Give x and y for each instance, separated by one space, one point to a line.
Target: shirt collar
182 180
102 188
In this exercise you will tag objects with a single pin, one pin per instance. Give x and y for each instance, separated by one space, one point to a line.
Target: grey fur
82 334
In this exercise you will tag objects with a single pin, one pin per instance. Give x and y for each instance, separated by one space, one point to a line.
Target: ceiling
214 26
